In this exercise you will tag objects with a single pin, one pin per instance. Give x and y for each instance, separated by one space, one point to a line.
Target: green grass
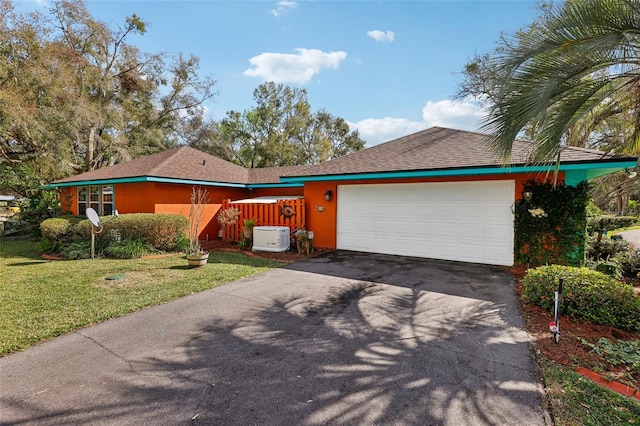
41 299
576 400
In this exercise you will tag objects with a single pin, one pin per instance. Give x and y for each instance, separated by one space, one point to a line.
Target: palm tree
580 62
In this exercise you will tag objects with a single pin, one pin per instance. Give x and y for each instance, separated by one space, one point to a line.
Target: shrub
608 267
56 232
78 250
588 295
629 262
608 223
162 231
181 244
558 235
606 248
58 228
129 249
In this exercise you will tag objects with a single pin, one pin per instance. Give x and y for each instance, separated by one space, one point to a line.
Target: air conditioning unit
271 238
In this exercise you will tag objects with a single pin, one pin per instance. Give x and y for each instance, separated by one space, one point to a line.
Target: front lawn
42 299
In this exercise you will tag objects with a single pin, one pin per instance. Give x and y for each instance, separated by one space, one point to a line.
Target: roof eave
143 179
591 169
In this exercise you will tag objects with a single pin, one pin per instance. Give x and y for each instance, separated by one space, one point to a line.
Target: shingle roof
438 148
178 163
185 163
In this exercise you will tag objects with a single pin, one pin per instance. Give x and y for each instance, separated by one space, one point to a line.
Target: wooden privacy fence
266 214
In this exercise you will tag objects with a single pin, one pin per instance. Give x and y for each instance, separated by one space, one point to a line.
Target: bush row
129 235
588 295
602 223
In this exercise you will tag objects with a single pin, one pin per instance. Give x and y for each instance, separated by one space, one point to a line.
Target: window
99 198
82 200
107 200
94 198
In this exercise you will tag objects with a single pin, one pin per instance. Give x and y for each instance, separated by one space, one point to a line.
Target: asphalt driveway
346 338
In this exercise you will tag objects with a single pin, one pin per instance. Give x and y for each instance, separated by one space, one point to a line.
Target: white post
93 241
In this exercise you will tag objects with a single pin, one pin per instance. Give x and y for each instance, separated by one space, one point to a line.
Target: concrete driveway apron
345 338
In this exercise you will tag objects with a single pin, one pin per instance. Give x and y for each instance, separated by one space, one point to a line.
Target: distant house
438 193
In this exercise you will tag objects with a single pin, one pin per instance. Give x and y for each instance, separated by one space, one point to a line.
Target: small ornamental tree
199 200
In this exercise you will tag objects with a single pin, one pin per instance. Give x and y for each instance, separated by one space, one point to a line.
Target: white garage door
465 221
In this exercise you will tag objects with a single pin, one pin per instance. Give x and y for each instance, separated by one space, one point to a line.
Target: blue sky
389 68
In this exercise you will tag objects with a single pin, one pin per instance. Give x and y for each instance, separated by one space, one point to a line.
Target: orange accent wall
69 200
322 215
176 198
138 197
152 197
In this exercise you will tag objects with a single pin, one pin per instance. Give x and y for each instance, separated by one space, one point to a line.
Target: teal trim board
142 179
274 185
577 171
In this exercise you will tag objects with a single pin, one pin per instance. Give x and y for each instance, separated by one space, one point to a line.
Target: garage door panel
467 221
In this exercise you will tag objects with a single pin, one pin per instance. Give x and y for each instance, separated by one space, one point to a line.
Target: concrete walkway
345 338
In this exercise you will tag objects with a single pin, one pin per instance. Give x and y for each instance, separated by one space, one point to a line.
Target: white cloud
383 36
462 115
293 68
283 7
378 130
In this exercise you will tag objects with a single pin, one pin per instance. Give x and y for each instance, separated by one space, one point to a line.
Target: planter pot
247 231
196 260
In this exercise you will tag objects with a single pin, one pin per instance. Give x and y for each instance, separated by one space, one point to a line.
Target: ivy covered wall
551 227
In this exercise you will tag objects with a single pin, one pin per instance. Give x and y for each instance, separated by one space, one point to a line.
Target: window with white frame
107 200
82 200
99 198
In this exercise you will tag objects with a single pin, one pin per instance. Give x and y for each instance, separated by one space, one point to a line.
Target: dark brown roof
184 163
438 148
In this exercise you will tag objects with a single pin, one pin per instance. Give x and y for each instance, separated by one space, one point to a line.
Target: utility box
271 238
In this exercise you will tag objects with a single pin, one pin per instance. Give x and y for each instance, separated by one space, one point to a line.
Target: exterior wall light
328 195
527 195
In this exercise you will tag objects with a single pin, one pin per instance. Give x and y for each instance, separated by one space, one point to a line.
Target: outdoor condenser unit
271 238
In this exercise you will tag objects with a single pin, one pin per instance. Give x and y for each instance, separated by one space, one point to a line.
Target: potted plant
196 256
247 228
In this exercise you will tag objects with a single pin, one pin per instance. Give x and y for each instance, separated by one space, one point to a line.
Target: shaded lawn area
42 299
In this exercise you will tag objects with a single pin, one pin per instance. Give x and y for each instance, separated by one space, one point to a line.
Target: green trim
141 179
274 185
575 173
591 170
574 177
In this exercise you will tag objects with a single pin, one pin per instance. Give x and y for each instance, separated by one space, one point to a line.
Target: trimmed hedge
164 232
606 248
59 228
608 223
588 295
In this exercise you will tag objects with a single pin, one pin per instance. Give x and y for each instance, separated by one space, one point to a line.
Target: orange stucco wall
151 197
128 198
322 215
173 198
